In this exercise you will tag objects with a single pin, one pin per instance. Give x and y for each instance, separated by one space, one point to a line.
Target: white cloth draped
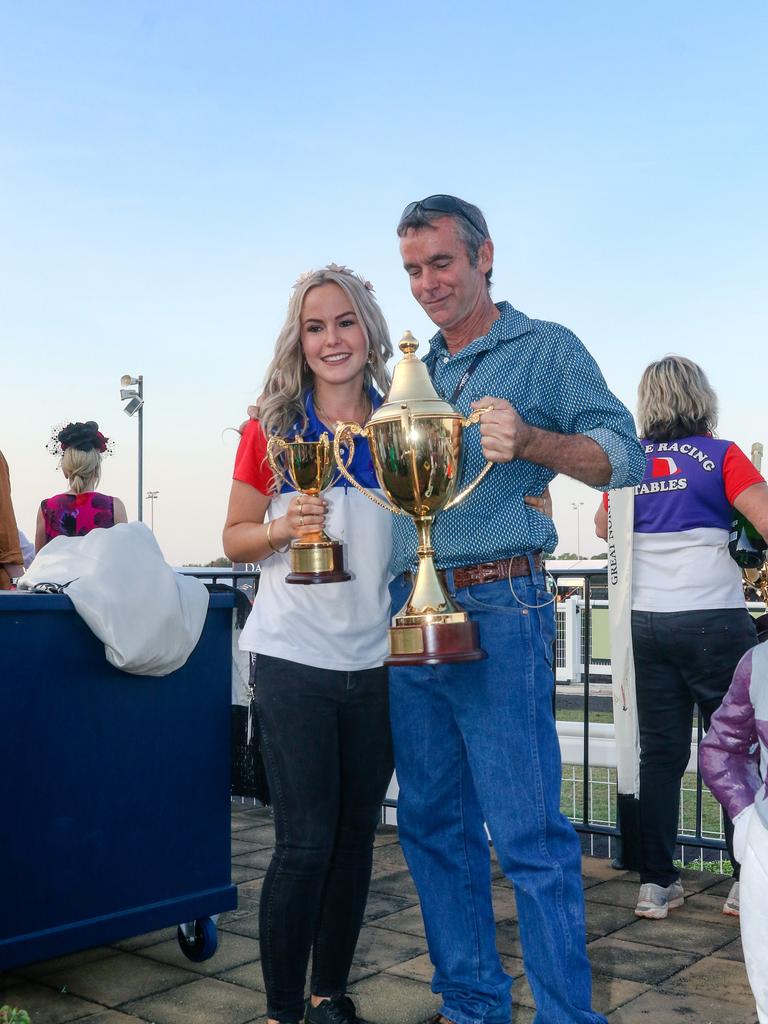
148 616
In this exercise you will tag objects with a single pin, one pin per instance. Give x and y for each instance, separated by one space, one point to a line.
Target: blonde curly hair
288 378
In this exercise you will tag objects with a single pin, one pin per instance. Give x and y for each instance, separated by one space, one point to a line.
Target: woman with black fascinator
81 508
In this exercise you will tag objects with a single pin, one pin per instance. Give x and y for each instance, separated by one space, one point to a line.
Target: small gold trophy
308 467
416 439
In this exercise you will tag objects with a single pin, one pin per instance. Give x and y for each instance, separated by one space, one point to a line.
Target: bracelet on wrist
278 551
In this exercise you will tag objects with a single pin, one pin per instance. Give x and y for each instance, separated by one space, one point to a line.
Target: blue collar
510 324
362 464
315 425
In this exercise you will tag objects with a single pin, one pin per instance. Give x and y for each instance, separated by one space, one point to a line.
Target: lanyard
476 360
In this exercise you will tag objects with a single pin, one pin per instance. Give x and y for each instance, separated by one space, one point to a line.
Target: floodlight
133 405
134 401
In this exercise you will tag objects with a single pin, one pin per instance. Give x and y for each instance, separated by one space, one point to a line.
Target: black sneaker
337 1010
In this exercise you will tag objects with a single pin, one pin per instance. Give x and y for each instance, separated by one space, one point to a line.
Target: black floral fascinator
85 437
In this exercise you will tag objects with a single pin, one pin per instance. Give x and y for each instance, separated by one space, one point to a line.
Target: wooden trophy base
434 643
317 562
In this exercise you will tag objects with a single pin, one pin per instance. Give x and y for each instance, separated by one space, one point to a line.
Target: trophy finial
411 385
408 344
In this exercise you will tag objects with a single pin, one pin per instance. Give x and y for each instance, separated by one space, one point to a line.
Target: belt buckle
489 572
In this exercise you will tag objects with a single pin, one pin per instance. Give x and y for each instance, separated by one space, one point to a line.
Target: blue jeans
475 743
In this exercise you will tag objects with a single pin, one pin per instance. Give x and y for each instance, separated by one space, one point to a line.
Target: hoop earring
371 356
304 365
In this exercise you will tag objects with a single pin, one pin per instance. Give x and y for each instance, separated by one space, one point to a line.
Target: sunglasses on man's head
442 204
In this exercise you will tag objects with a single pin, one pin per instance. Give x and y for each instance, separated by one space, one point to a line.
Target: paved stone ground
687 968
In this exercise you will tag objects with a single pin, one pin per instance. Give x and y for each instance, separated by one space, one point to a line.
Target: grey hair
82 469
281 402
675 399
420 218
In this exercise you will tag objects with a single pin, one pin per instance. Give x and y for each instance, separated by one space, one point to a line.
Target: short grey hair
467 218
675 399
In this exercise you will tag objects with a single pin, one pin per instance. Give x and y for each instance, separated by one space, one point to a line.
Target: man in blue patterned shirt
475 742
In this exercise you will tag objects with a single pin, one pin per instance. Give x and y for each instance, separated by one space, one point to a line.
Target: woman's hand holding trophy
308 467
305 515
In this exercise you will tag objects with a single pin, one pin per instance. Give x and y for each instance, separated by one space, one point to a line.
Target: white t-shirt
340 626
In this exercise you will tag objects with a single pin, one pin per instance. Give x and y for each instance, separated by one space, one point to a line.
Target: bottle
745 544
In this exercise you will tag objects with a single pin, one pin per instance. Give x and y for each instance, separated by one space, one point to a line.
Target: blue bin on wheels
114 788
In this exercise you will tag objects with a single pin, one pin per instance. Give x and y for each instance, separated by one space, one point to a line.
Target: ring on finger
301 519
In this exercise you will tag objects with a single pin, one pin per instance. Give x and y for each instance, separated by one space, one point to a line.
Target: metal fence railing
245 579
589 775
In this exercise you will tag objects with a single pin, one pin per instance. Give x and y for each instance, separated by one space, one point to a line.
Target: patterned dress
74 515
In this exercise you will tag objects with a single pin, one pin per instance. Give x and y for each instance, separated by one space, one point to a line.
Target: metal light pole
577 505
134 403
151 497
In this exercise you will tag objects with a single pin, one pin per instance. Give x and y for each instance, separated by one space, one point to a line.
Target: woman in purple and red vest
690 624
81 508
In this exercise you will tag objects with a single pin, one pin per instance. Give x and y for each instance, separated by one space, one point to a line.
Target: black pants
328 755
681 659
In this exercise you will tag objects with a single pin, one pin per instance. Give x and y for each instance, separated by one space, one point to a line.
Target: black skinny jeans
328 755
681 659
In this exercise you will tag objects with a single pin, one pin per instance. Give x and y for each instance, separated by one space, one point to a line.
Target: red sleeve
738 473
251 465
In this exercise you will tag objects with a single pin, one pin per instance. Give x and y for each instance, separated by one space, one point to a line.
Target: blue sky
167 170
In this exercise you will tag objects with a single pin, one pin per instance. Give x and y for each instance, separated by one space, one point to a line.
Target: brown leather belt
489 572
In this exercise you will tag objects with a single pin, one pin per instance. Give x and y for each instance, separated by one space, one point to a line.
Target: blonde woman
320 689
690 625
81 508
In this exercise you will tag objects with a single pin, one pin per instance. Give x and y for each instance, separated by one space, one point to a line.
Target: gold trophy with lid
416 443
308 467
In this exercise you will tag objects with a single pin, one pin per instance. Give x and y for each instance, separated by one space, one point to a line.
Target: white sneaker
655 900
731 905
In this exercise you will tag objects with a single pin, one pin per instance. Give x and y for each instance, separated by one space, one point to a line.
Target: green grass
716 867
602 805
577 715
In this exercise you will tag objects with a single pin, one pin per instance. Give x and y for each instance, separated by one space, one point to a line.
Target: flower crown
86 437
336 269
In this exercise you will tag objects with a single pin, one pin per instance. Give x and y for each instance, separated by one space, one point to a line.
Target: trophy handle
350 429
325 441
337 457
339 461
468 422
273 445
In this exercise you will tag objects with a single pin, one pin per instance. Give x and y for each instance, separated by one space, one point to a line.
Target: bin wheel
202 945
